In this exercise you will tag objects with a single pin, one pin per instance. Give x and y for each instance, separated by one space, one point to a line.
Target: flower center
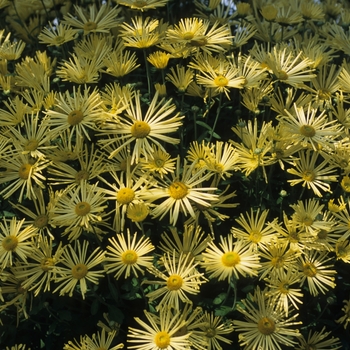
230 259
82 208
24 171
31 145
178 190
307 130
41 221
140 3
159 162
307 220
198 42
277 262
324 94
308 175
129 257
90 26
162 340
309 269
125 195
46 263
174 282
188 35
220 80
137 212
282 75
10 243
75 117
140 130
81 175
210 332
284 288
323 234
59 40
255 236
79 271
266 326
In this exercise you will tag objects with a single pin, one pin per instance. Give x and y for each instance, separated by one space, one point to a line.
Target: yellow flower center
79 271
41 221
230 259
125 195
82 208
31 145
46 263
140 130
269 12
162 340
284 288
210 332
59 40
345 183
308 175
281 75
178 190
277 262
137 212
90 26
81 175
266 326
307 130
221 81
24 171
309 269
255 236
294 237
198 42
10 243
129 257
188 35
307 220
174 282
159 162
324 94
140 3
322 234
75 117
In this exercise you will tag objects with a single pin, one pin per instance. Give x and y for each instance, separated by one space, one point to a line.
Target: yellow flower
10 51
143 5
230 259
119 64
346 317
78 268
181 78
269 12
57 35
15 241
159 59
266 326
316 340
160 332
127 258
179 279
345 183
101 341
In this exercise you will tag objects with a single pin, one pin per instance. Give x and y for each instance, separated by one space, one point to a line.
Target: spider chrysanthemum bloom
79 209
179 279
160 332
41 270
78 268
142 130
230 259
316 340
265 326
159 59
142 5
342 250
181 193
21 173
101 341
100 20
78 112
16 241
254 229
346 317
127 257
307 129
57 35
312 176
120 63
181 78
314 270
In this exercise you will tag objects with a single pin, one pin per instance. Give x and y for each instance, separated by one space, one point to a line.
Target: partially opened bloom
230 259
16 241
265 326
128 257
143 5
160 332
345 319
101 341
316 340
78 268
180 279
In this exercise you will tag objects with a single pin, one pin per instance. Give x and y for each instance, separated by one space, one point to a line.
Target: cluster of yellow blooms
117 168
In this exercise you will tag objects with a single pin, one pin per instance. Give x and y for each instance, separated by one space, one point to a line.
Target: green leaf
94 306
219 299
222 311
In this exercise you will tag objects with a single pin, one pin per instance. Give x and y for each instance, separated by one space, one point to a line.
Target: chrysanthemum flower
316 340
120 63
141 131
160 332
181 193
312 176
342 250
254 229
98 21
57 35
159 59
79 209
143 5
230 259
15 241
78 268
101 341
127 257
266 326
181 79
179 279
313 269
346 317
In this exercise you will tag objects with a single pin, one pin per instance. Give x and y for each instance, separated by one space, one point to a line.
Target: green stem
216 117
148 71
